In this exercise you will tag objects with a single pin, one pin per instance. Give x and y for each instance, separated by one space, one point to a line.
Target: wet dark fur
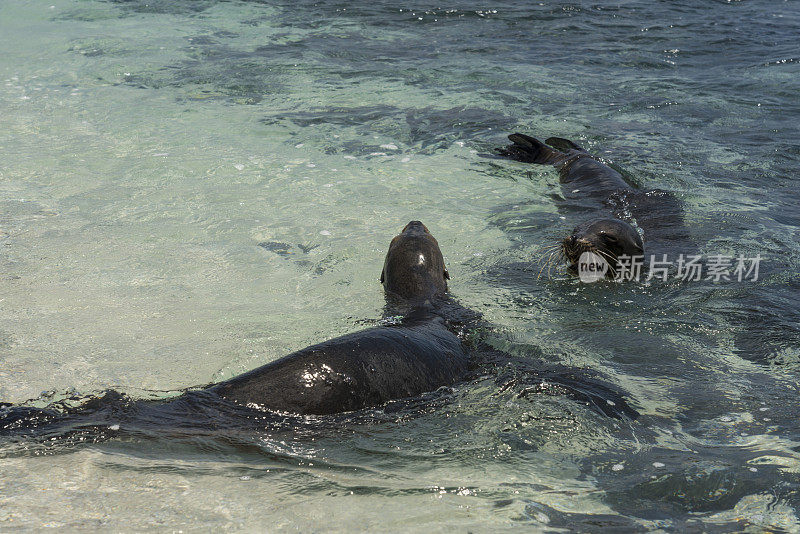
370 367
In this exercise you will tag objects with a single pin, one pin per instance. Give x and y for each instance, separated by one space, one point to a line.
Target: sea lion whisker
547 249
558 260
605 254
539 260
546 263
539 274
550 261
543 250
611 261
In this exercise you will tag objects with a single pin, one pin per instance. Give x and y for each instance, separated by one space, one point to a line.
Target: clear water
149 146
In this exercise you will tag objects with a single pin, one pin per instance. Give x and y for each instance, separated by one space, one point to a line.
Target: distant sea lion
584 178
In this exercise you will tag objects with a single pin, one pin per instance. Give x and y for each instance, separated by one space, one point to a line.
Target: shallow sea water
190 189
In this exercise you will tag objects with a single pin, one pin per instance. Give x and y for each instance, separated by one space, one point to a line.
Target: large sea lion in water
370 367
626 217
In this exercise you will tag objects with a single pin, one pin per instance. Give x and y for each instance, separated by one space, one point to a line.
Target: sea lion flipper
565 145
592 390
529 150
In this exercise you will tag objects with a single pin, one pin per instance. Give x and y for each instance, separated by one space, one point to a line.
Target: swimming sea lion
370 367
597 187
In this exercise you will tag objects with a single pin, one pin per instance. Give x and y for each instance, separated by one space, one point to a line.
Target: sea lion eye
608 237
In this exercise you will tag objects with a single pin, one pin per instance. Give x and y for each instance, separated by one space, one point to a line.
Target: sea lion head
414 267
608 238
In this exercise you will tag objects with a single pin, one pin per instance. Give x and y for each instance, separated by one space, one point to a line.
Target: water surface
150 147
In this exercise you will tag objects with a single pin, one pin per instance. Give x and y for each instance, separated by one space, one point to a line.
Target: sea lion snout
415 226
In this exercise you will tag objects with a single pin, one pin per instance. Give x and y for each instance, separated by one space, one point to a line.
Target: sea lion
656 215
368 368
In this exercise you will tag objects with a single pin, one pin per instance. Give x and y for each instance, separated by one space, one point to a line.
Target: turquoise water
149 147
